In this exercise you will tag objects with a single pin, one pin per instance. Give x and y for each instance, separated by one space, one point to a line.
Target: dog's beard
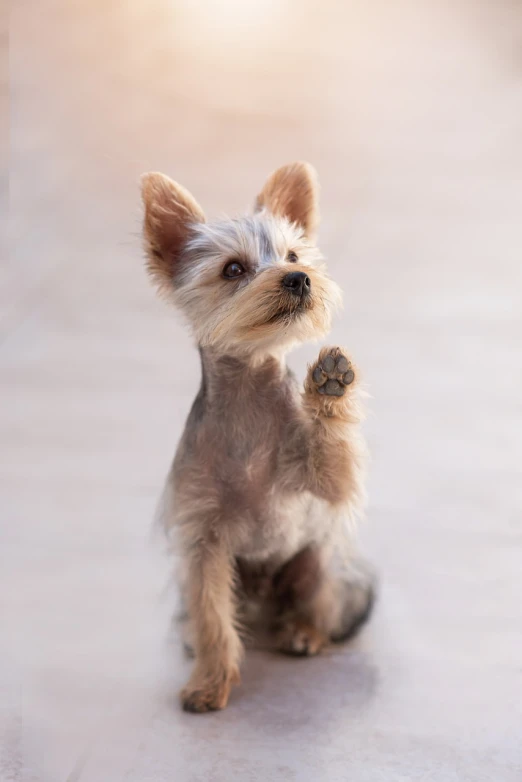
289 309
263 316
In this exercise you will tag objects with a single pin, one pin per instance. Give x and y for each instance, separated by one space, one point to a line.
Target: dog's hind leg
316 606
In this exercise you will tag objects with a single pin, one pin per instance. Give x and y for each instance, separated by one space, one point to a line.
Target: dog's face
252 284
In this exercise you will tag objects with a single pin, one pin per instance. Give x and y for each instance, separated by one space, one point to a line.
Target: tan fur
300 638
337 462
267 479
291 192
211 605
170 211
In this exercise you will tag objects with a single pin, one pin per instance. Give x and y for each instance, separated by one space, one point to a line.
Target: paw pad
333 373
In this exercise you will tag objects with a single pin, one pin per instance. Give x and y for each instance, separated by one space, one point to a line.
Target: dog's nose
298 283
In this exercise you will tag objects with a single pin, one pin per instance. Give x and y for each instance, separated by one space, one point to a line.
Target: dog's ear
170 211
292 192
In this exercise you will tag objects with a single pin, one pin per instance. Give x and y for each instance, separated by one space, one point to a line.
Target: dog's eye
292 257
233 269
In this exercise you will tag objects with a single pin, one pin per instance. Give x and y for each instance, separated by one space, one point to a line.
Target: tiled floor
412 113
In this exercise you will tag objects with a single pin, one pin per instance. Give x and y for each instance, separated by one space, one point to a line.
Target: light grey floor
412 113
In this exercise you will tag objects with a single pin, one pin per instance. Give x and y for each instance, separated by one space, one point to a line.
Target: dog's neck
229 374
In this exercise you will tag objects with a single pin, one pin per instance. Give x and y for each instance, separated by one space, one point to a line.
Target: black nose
298 283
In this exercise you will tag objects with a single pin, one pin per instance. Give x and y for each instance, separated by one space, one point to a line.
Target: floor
412 114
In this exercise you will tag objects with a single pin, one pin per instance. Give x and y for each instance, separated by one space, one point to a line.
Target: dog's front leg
217 646
335 452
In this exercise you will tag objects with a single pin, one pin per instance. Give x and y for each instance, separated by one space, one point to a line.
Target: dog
266 478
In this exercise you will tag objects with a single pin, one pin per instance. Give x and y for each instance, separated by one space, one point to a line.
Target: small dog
265 476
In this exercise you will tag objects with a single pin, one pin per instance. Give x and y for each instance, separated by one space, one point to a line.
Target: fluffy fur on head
253 312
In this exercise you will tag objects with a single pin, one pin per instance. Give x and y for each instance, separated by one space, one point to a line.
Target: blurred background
412 114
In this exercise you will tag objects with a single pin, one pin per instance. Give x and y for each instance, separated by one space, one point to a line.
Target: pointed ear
170 211
292 192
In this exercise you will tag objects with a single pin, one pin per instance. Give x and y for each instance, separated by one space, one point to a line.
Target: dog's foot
201 695
332 373
300 639
205 698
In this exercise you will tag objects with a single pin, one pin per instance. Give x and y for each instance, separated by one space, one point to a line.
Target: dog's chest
250 467
280 528
236 444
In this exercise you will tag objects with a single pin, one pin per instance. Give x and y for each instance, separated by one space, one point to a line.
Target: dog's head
252 284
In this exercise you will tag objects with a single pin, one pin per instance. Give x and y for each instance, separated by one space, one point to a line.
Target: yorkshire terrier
266 476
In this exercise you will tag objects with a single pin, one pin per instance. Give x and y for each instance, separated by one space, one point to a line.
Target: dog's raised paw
332 373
